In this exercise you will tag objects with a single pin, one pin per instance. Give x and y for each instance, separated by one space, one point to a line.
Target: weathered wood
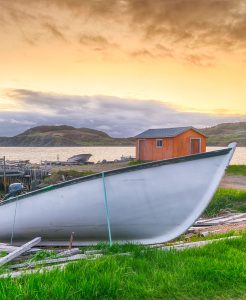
91 252
232 218
33 271
71 241
68 252
196 244
196 229
52 261
123 254
19 251
7 248
207 233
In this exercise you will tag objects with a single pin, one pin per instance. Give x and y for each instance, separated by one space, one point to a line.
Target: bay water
36 154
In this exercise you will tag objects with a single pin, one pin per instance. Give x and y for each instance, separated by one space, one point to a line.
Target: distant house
164 143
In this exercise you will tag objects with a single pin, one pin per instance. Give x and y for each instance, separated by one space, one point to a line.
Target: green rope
13 227
107 211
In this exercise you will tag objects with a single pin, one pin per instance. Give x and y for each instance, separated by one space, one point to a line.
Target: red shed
164 143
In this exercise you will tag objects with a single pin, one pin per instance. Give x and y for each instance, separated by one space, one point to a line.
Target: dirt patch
219 229
234 182
97 168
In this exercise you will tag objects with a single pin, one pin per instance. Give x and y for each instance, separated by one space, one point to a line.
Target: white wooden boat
149 203
79 158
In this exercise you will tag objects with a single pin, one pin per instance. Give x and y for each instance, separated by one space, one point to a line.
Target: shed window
159 143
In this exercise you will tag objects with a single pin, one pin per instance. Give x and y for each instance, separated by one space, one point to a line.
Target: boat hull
147 204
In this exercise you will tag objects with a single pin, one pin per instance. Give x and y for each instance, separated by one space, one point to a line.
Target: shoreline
229 181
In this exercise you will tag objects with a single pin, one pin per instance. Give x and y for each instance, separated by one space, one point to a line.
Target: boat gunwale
120 171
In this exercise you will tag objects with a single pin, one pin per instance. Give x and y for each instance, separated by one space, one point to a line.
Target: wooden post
71 241
4 175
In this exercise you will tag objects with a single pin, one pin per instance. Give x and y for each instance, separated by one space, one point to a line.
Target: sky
121 66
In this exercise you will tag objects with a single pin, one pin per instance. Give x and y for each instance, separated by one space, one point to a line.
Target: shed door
142 150
195 146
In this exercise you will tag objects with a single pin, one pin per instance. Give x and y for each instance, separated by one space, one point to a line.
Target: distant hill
223 134
68 136
59 136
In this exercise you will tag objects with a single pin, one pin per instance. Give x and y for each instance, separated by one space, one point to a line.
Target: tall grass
216 271
236 170
227 199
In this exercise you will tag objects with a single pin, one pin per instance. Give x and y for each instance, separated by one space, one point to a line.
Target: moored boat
79 158
149 203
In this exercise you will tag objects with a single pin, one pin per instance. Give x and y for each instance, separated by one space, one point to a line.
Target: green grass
135 162
3 253
43 254
236 170
225 199
216 271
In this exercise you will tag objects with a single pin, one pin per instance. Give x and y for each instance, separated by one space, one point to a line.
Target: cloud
194 31
54 31
199 60
142 53
117 116
96 41
192 28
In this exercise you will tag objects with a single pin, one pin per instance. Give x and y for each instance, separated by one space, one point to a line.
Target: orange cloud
192 30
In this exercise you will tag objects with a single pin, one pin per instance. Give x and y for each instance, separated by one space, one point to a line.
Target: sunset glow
187 54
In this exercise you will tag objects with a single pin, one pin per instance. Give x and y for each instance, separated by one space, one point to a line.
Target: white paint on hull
147 205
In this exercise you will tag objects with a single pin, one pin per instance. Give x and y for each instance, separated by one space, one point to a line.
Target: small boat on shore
148 203
79 158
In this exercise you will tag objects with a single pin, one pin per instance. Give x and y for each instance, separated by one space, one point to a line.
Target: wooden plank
19 251
7 248
71 241
207 233
123 254
91 252
52 261
33 271
196 244
69 252
238 217
235 221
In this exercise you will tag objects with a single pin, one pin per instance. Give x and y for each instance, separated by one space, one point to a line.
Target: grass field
227 199
236 170
216 271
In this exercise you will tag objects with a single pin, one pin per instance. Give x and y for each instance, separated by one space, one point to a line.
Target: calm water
36 154
239 157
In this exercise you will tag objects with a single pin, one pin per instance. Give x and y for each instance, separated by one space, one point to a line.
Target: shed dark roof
165 132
